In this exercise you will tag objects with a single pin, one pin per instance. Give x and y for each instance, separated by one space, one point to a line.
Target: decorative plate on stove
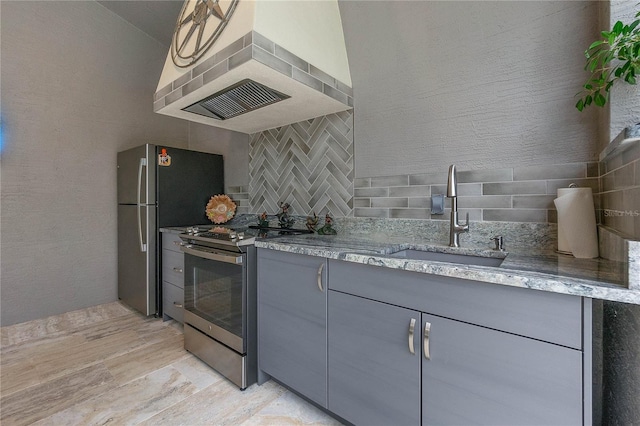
220 209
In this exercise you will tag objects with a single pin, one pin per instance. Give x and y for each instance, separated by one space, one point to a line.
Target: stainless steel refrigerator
158 187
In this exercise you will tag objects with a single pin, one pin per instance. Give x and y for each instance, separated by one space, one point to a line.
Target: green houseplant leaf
616 56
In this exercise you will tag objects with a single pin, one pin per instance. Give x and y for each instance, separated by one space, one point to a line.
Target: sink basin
464 259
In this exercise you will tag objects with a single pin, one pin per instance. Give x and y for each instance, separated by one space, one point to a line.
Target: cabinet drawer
551 317
171 242
173 267
172 301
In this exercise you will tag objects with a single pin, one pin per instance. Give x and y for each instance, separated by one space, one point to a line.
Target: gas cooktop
234 236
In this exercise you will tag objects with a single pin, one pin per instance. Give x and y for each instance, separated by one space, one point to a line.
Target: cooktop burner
212 235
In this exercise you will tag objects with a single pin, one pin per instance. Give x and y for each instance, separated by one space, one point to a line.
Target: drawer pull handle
412 327
177 270
177 305
320 277
427 331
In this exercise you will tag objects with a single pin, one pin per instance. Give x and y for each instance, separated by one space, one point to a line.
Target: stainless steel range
220 298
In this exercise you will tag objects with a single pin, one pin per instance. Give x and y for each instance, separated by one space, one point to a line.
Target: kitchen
78 82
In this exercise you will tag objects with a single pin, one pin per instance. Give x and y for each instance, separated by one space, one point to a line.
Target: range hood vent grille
244 96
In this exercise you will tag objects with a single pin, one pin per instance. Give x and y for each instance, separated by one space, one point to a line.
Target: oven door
215 294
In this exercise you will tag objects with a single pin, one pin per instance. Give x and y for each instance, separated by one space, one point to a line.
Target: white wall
478 83
77 87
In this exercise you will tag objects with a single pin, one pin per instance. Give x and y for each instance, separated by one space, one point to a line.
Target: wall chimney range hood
275 63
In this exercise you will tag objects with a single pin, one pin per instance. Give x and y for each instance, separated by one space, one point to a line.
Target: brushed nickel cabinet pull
320 277
177 305
177 270
412 327
427 331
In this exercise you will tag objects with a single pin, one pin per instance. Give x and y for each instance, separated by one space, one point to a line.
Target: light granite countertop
546 271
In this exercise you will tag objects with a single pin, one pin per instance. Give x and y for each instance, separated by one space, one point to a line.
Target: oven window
213 291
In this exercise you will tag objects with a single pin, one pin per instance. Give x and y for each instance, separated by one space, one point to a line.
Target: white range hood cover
293 47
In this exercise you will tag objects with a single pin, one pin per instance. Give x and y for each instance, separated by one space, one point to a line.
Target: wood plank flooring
110 365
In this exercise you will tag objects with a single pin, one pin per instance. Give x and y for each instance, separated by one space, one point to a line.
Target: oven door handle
212 256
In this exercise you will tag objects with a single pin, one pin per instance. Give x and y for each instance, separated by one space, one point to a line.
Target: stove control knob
241 235
233 235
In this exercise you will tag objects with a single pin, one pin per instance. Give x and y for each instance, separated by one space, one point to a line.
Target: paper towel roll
577 231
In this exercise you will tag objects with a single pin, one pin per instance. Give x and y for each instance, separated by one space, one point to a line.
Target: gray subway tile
389 202
552 216
624 177
362 202
463 189
205 65
194 84
485 201
334 93
491 175
306 79
612 163
371 192
230 50
271 61
514 188
180 81
163 92
290 58
364 212
533 201
428 179
247 39
350 101
216 71
420 202
173 96
263 42
158 105
593 170
322 76
474 214
410 191
344 88
608 182
515 215
553 185
556 171
239 58
399 180
409 214
362 183
631 154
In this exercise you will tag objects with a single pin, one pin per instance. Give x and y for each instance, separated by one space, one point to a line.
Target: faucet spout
455 228
452 182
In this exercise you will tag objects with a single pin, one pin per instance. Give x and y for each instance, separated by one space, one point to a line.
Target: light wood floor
110 365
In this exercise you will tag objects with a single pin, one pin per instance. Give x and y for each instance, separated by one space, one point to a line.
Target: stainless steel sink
464 259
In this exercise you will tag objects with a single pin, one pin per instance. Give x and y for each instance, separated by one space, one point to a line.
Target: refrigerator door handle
143 164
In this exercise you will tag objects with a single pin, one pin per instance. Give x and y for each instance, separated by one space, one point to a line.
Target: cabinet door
374 378
172 301
476 375
292 321
173 267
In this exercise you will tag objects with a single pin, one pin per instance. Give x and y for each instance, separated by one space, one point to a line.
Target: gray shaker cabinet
292 321
172 277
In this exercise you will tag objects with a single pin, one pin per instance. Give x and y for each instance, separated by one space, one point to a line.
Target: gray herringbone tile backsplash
308 165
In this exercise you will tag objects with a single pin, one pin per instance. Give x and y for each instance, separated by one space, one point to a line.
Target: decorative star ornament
200 24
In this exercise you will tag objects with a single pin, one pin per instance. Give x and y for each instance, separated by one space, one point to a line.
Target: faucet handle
499 240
